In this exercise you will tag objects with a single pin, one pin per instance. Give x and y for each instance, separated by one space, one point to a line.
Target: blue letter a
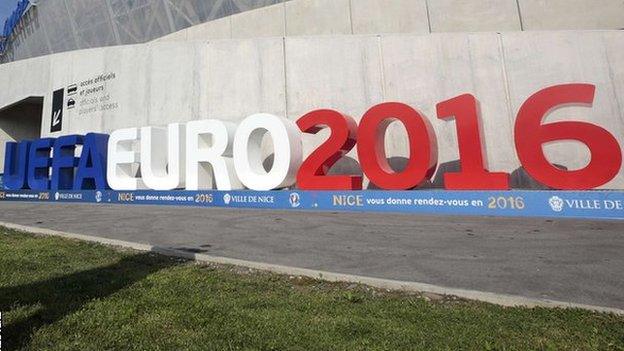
91 172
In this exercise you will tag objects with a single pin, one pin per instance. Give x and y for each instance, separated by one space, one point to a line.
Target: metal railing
52 26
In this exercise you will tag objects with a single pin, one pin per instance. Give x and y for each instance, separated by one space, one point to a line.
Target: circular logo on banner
556 203
56 196
98 196
294 200
227 198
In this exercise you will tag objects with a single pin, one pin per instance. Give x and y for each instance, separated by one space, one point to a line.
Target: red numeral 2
313 172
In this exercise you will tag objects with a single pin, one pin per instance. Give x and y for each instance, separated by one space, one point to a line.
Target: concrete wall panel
422 71
263 22
614 42
17 123
245 77
572 14
181 35
535 60
217 29
473 15
341 73
313 17
85 65
4 80
130 88
17 79
389 16
175 82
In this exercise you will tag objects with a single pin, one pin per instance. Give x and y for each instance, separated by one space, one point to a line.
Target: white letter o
287 148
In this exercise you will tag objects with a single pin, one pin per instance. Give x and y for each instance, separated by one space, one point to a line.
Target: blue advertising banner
515 203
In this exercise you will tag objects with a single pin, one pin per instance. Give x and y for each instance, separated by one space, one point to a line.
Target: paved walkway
566 260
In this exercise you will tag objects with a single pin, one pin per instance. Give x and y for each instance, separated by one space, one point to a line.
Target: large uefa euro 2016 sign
208 155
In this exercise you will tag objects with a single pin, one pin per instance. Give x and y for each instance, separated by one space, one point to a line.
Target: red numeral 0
371 151
530 134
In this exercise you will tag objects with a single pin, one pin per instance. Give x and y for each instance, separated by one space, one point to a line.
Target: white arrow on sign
56 119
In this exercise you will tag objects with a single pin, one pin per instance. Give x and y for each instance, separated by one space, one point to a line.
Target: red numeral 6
530 134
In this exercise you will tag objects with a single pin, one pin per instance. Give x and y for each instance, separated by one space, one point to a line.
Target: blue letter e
39 164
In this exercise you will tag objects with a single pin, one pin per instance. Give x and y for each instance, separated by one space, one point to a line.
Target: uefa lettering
180 156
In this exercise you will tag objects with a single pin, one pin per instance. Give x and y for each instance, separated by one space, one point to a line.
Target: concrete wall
474 15
19 82
323 17
58 25
229 79
572 14
19 122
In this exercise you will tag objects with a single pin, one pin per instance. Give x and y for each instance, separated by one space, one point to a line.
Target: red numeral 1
313 172
474 174
371 151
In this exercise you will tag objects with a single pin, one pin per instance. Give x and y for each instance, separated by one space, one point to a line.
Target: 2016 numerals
529 135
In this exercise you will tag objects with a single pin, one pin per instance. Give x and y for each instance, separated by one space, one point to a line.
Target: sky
6 8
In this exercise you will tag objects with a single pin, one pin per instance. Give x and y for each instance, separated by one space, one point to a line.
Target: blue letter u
15 164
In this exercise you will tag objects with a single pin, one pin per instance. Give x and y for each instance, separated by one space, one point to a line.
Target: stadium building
111 64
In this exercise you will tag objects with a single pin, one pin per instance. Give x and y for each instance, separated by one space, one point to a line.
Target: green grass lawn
59 294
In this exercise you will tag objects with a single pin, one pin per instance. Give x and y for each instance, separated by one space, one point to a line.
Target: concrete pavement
576 261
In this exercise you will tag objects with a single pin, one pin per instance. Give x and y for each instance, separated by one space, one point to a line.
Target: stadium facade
189 60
